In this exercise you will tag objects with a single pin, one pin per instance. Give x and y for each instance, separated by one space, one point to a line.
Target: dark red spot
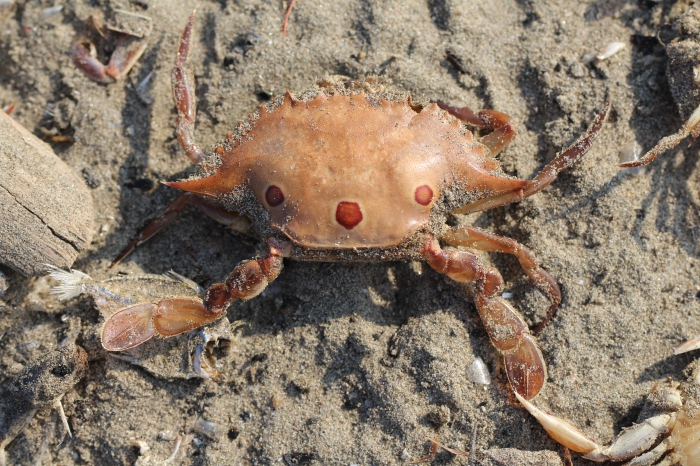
274 196
348 214
424 195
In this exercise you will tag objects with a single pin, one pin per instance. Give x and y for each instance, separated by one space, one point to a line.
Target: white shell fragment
209 429
609 50
477 372
47 13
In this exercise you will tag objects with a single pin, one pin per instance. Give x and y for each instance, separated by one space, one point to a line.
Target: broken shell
47 13
609 50
477 372
209 429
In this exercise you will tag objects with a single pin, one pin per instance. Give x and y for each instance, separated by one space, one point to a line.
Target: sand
359 364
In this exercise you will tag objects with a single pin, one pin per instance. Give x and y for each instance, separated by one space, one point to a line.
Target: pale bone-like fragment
609 50
689 345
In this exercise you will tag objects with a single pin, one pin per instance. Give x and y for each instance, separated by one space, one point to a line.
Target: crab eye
348 214
423 195
274 196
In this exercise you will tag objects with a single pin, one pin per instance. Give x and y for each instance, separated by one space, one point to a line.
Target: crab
671 414
348 172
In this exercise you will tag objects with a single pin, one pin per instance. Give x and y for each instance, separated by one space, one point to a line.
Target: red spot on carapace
274 196
348 214
424 195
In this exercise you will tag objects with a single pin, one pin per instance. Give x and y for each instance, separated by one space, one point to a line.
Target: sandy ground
342 364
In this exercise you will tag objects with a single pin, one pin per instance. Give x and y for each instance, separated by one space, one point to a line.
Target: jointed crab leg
288 11
473 237
211 208
183 94
690 128
507 330
562 161
502 124
136 324
629 444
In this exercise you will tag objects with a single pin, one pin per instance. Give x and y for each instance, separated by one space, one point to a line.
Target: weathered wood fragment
46 214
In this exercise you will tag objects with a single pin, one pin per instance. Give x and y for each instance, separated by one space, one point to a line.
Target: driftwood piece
46 214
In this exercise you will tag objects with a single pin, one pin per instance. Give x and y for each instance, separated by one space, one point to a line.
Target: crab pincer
168 317
130 45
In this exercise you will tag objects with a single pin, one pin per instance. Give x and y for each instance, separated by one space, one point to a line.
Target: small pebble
577 70
277 401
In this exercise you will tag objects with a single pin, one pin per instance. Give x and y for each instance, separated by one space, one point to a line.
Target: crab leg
502 124
549 173
213 209
629 444
183 94
85 59
690 128
138 323
288 11
473 237
124 57
508 332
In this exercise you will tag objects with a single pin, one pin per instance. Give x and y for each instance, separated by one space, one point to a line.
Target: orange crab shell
342 172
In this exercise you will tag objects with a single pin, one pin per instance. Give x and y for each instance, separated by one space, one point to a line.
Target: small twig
472 447
431 452
434 444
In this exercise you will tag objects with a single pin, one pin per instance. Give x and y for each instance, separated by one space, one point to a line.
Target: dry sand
352 363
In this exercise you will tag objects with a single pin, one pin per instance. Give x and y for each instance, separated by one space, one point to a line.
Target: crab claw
85 59
129 327
138 323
